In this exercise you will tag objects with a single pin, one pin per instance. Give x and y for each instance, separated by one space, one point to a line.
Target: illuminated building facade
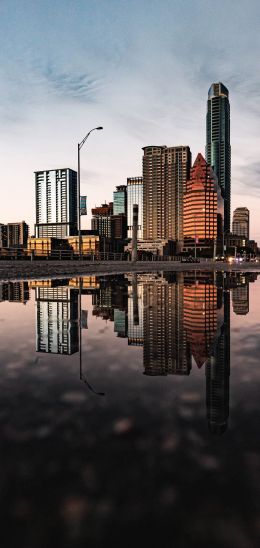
56 203
218 150
202 205
165 173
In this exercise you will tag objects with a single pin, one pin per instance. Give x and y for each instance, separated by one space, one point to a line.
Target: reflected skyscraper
166 349
218 372
200 317
57 320
135 311
240 297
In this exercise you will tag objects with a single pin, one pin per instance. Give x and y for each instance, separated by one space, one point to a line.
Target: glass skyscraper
218 150
135 196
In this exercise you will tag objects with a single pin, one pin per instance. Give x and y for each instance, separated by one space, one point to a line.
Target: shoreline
24 270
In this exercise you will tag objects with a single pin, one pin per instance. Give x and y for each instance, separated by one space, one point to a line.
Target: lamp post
80 145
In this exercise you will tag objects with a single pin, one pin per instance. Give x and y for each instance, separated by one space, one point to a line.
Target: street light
80 145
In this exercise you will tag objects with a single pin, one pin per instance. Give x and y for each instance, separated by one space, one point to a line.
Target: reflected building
240 298
218 372
57 330
200 317
15 292
166 349
135 311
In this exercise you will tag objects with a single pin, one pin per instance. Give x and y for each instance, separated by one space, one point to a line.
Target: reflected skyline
181 321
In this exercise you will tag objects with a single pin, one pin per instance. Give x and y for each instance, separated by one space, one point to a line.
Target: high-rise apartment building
218 150
56 203
202 204
240 224
120 200
135 190
165 173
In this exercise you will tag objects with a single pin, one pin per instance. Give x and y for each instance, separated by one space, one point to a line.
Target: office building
135 191
135 307
56 203
202 205
56 319
165 173
240 296
240 224
101 219
15 292
218 150
120 200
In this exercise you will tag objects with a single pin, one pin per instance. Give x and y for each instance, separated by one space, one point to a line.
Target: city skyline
49 102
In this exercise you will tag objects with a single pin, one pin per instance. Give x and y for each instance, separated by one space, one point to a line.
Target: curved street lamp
80 145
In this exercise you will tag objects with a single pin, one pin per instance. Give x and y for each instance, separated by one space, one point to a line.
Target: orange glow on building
202 203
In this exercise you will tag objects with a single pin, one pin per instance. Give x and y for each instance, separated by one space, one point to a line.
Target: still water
129 411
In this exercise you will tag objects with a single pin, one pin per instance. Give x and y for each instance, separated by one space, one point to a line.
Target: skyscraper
135 191
165 172
240 225
56 203
202 204
218 150
101 219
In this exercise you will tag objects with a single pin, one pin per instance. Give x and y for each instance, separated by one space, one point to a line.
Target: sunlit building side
240 224
202 206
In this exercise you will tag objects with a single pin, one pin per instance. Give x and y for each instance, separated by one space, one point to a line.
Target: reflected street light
80 145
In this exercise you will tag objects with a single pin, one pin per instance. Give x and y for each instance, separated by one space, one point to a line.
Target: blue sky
141 69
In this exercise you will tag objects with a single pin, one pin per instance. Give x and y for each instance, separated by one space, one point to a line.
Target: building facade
56 203
240 224
101 219
3 235
218 149
165 173
202 205
135 191
120 200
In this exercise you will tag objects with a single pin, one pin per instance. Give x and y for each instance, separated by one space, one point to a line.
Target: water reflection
180 320
79 470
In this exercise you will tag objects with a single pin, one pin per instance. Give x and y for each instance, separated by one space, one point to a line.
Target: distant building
240 296
240 224
101 219
135 191
56 203
202 206
17 234
120 200
3 235
165 173
119 227
218 150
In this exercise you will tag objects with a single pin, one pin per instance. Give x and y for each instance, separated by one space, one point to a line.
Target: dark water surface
130 411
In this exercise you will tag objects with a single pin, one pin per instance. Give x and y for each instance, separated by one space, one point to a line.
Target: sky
142 70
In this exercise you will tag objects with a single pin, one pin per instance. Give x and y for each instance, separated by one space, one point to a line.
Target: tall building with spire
218 150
